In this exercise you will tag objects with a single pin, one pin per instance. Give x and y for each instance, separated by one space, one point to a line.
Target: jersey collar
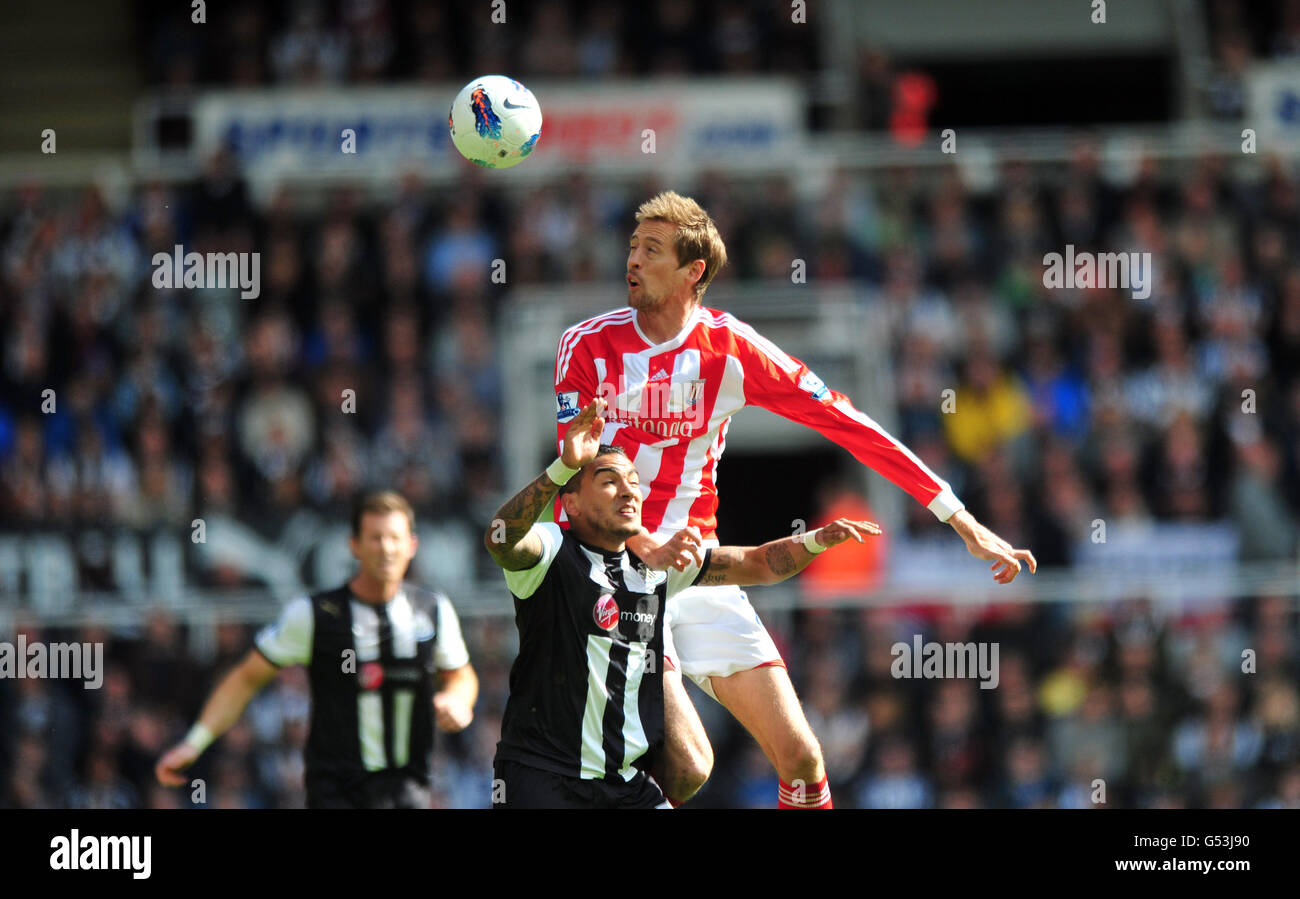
603 553
399 595
673 342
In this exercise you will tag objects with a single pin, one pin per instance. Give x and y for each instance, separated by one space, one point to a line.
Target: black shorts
379 789
520 786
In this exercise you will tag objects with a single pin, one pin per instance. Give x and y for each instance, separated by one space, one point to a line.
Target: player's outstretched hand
174 761
451 713
842 529
682 549
582 440
984 544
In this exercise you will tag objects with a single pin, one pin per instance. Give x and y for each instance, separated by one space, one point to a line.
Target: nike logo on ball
508 105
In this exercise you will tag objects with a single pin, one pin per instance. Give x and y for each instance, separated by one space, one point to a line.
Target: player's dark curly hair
576 480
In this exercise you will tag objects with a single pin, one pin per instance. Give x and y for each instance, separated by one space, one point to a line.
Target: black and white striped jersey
586 691
372 668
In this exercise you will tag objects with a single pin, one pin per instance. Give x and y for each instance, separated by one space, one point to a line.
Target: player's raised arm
508 537
782 384
222 710
982 543
777 560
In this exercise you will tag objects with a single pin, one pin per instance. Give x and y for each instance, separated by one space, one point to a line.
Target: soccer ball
495 122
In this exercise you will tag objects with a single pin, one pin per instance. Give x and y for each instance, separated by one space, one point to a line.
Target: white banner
1273 106
621 125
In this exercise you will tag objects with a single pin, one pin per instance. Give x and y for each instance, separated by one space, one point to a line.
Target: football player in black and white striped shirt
584 722
386 662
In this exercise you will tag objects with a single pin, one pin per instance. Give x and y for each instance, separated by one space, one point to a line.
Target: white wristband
559 473
810 542
199 737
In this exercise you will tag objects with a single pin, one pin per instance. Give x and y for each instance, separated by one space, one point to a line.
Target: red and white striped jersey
670 406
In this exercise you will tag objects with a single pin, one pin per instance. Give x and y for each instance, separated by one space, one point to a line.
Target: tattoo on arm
721 561
520 512
780 560
773 561
512 550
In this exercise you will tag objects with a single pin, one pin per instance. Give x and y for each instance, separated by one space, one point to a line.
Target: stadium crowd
367 41
1080 404
1155 708
318 42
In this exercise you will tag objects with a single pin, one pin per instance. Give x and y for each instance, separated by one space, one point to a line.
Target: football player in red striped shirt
673 373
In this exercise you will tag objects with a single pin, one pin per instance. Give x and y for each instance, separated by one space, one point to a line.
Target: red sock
816 796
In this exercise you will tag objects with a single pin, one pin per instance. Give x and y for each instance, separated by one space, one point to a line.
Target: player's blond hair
697 236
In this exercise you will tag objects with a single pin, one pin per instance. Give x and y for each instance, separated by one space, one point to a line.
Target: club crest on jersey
606 613
694 392
566 406
644 580
812 384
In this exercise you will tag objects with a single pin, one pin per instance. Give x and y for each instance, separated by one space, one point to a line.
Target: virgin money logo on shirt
606 613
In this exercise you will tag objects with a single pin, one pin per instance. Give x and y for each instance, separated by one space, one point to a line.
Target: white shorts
715 632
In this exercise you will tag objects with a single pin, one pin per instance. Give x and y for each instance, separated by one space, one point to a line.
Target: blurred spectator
1028 783
1058 396
276 424
1091 738
311 51
990 409
842 725
1267 525
894 781
463 245
1226 87
862 566
1217 746
875 89
103 789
